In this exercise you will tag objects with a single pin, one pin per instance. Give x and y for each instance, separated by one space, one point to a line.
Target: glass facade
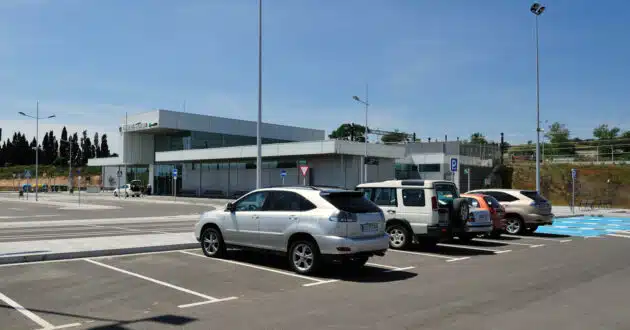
163 173
202 140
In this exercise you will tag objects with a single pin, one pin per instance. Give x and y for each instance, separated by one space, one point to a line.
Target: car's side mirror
230 207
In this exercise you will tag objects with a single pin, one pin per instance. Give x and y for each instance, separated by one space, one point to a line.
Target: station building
216 157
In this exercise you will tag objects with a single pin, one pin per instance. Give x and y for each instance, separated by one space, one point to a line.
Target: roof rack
318 187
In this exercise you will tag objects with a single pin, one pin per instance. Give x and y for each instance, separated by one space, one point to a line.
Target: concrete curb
14 259
570 216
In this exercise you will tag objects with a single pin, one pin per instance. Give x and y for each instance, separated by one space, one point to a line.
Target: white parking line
509 243
618 235
32 316
457 259
390 268
539 238
209 299
467 247
312 279
422 254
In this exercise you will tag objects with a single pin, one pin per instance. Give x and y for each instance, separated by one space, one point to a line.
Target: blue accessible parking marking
587 226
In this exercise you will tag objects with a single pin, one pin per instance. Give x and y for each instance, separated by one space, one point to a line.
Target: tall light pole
37 118
537 9
365 135
258 123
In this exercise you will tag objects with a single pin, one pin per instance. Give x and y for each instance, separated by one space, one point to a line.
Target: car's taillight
343 216
434 203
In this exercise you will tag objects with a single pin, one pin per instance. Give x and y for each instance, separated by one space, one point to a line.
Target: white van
419 211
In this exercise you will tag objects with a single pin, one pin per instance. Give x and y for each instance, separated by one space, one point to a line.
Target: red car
497 211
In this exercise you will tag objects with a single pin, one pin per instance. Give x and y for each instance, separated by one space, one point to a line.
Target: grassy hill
599 182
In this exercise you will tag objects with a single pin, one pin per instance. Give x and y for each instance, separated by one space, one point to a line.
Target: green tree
394 137
348 132
478 138
558 135
606 139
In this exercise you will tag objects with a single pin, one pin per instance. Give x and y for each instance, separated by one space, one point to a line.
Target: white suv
419 211
309 224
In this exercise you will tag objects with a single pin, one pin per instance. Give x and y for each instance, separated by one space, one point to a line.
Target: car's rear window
533 195
492 202
352 202
446 193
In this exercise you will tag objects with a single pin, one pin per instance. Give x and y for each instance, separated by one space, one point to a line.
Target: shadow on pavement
451 251
113 324
336 271
548 235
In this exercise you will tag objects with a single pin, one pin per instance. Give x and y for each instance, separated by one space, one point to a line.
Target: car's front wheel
304 257
212 243
514 226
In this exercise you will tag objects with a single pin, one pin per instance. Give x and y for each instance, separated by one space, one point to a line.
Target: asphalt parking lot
544 282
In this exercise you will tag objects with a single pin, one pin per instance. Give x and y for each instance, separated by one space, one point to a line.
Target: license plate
369 227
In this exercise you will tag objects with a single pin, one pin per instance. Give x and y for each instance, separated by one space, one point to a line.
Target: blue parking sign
175 172
283 173
573 173
453 164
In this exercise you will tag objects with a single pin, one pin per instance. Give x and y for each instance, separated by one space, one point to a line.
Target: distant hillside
599 182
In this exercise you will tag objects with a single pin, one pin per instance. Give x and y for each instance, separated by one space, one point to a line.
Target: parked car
479 223
419 211
128 190
496 210
310 225
525 210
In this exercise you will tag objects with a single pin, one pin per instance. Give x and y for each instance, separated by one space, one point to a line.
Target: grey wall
332 170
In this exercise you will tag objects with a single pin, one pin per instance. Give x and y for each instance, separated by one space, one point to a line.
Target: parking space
117 289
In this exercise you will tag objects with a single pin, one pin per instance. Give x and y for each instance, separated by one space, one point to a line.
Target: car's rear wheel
514 226
304 257
212 243
399 236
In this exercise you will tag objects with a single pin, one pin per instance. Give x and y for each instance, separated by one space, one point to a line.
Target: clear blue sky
433 67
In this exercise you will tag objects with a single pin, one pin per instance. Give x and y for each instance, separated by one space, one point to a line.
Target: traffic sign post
467 172
119 175
454 163
573 175
304 171
283 174
79 187
27 175
174 184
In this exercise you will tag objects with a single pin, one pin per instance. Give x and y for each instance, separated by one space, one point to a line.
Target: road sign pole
468 172
79 190
573 190
283 180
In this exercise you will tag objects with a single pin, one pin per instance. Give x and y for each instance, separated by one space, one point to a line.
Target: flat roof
309 148
163 121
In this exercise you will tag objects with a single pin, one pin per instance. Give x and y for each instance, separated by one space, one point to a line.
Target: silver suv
525 210
310 225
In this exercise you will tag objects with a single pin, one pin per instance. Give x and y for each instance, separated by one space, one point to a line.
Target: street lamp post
365 135
537 9
37 118
259 122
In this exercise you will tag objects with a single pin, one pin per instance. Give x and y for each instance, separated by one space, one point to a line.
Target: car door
415 210
387 200
281 215
242 224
